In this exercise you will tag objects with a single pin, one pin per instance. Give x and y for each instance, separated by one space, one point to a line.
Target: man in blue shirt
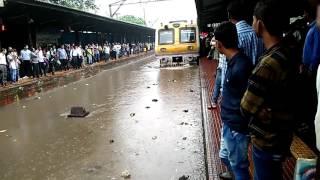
63 57
249 43
25 56
235 136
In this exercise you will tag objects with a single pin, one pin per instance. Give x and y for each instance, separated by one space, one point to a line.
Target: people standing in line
51 59
42 63
96 52
235 132
106 49
3 67
26 66
35 63
220 76
74 56
13 65
269 100
16 57
249 43
80 57
89 54
63 58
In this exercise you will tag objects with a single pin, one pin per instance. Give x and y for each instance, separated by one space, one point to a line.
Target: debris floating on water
126 174
154 137
78 112
184 177
154 100
2 131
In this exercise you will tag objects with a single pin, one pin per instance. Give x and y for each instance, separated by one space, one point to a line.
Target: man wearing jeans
269 100
235 136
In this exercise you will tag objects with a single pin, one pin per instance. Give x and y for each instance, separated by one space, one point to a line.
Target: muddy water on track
142 119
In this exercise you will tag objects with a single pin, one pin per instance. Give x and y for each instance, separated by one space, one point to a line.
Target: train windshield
187 35
166 36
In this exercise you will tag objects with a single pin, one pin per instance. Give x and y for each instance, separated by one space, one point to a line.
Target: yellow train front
177 43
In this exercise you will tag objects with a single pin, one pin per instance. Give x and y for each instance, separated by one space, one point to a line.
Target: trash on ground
24 107
2 131
78 112
184 123
39 97
74 88
111 141
191 90
132 114
186 110
64 85
154 137
148 87
184 138
174 81
126 174
184 177
154 100
147 107
87 84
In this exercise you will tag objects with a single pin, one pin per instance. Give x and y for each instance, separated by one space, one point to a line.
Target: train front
177 44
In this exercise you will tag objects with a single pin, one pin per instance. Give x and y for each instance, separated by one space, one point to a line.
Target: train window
166 36
187 35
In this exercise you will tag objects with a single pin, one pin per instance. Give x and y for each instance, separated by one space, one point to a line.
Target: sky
155 12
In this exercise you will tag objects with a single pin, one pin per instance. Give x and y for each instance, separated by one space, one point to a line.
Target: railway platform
212 125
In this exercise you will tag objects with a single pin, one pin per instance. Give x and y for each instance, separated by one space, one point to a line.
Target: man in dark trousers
235 134
269 101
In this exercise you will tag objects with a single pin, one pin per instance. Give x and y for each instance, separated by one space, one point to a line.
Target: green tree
132 19
83 5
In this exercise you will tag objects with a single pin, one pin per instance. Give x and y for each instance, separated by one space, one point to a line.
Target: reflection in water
41 143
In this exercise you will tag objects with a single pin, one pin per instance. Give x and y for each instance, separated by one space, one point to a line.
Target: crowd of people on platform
38 62
266 87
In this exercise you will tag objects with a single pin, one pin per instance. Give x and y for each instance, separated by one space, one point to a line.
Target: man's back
249 43
236 81
270 97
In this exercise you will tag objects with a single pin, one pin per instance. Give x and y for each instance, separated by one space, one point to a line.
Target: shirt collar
233 59
241 23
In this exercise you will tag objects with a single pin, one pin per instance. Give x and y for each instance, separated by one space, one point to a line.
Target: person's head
226 37
26 47
269 19
39 48
62 46
236 11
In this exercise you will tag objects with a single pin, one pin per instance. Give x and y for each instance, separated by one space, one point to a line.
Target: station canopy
21 12
215 11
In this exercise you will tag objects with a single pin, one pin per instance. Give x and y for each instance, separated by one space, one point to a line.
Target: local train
177 43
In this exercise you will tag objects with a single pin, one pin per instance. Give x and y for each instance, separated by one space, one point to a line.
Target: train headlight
190 48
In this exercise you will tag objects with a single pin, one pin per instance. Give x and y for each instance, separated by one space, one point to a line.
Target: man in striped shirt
249 43
269 101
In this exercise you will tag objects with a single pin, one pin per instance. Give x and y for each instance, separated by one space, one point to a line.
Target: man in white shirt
3 67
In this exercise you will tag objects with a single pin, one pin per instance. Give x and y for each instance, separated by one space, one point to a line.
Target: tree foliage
132 19
76 4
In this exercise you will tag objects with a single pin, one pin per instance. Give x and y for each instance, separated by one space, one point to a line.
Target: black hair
272 14
226 33
236 10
